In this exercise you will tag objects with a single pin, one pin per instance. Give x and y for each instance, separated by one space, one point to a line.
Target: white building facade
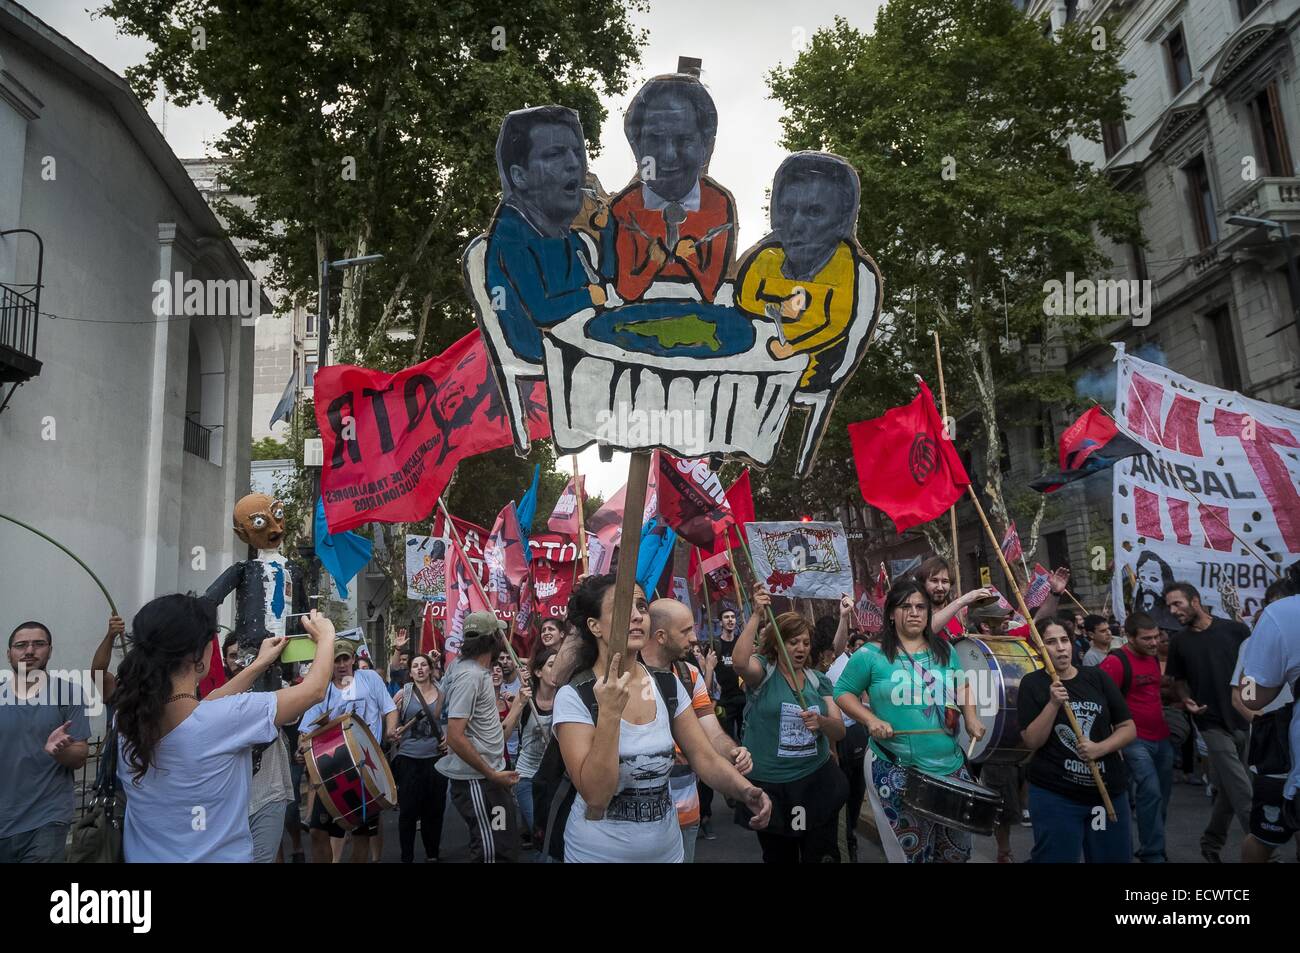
131 444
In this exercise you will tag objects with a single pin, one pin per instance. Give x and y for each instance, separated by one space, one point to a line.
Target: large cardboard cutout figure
631 309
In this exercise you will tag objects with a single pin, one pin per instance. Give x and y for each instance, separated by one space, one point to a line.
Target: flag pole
1038 642
740 590
708 606
638 476
582 522
776 629
952 510
478 584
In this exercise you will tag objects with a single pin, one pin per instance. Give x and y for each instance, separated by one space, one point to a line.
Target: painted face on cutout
259 521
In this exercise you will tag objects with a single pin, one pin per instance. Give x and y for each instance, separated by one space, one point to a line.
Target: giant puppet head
259 521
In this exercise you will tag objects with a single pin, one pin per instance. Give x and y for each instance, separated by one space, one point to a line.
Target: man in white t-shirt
1268 668
364 694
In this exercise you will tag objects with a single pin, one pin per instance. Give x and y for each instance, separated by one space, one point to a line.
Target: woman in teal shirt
790 723
915 684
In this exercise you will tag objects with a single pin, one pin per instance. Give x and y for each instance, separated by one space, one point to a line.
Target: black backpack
1127 681
553 790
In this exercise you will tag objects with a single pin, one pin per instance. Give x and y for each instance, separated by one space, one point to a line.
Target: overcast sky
739 42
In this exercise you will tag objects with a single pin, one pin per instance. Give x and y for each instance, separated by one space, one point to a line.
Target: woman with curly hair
186 765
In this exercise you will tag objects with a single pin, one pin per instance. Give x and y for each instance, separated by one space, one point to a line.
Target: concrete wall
91 450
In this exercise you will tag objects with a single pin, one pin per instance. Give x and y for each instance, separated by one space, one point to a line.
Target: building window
1180 67
1113 137
311 325
1247 7
1058 549
1225 344
1004 461
309 372
1137 260
1270 132
1202 202
1071 10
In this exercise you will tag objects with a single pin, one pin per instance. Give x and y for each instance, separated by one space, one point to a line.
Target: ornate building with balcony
128 441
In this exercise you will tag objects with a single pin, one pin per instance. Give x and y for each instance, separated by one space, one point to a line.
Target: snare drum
952 802
994 668
349 771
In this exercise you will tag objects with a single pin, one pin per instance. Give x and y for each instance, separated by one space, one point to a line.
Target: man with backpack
1135 668
671 636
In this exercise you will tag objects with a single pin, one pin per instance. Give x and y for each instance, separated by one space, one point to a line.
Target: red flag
741 500
866 614
906 466
216 676
564 518
472 536
429 640
1039 586
552 571
392 441
463 597
692 500
1090 444
506 563
1011 550
605 528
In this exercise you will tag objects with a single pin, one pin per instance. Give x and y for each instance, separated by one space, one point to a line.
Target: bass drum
994 667
349 771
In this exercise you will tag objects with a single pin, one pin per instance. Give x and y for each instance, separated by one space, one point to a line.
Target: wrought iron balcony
20 311
198 439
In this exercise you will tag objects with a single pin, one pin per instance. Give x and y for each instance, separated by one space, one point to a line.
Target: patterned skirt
923 841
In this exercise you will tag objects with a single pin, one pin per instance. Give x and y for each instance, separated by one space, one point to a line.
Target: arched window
205 392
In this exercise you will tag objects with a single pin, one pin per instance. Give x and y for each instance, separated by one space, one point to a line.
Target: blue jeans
689 833
1065 830
524 795
1151 764
43 845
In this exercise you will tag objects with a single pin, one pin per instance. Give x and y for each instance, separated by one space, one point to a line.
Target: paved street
1189 812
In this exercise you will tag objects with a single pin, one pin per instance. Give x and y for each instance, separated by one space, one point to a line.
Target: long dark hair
169 633
902 588
584 604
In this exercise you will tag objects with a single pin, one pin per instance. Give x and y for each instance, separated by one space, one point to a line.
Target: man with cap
475 766
363 694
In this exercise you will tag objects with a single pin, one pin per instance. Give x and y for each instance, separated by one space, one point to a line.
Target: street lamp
323 341
1292 275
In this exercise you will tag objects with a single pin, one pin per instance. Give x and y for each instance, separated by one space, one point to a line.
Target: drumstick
970 748
921 731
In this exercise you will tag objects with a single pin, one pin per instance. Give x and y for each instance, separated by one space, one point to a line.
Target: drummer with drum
363 694
919 696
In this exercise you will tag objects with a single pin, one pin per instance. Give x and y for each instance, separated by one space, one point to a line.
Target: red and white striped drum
349 771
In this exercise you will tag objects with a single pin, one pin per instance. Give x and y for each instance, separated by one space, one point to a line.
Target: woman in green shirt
790 723
915 686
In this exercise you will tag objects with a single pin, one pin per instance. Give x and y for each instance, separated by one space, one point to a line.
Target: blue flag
343 555
526 510
656 549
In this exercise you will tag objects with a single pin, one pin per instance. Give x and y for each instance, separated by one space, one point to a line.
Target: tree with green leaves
958 116
364 126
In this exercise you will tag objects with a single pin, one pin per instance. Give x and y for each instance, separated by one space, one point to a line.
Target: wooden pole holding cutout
582 520
776 629
629 547
1042 650
952 510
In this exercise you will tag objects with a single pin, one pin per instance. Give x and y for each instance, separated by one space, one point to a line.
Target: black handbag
97 834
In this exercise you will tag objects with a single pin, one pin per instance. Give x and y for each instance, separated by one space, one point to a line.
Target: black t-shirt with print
1099 706
728 680
1206 661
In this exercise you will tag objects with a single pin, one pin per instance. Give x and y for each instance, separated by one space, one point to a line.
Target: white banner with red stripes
1222 471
